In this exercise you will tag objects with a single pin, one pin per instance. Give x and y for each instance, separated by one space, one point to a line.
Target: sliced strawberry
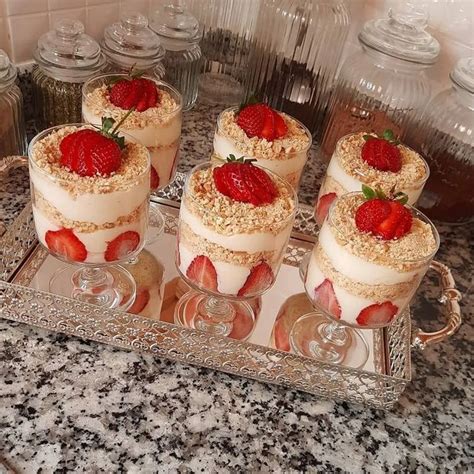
323 205
382 155
265 182
141 300
281 128
326 298
119 92
175 159
154 178
258 194
268 129
202 272
65 243
151 92
377 314
260 278
122 246
251 118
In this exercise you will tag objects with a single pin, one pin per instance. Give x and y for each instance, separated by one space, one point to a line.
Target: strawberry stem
232 159
377 193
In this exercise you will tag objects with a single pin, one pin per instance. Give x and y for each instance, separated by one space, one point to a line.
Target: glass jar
383 86
130 43
291 66
179 34
12 126
445 137
227 31
65 58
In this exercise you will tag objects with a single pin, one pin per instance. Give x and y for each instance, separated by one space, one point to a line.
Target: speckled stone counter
70 405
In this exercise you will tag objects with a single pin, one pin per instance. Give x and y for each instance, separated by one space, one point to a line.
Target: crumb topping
99 104
46 155
229 217
404 254
296 139
411 175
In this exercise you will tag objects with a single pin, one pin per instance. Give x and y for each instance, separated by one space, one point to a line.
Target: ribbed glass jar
445 137
383 86
294 56
12 125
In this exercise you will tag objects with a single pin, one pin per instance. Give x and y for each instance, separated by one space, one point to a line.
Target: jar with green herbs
65 58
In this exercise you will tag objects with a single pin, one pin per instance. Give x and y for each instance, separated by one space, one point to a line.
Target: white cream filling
251 243
162 160
355 267
87 207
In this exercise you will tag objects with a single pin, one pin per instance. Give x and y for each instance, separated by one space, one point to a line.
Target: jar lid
67 53
463 74
130 42
402 35
177 28
7 70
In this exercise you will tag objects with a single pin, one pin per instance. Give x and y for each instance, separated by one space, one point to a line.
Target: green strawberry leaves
387 135
377 193
232 159
110 128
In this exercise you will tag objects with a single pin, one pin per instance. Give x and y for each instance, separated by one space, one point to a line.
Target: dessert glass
354 289
345 175
157 129
229 259
279 156
91 223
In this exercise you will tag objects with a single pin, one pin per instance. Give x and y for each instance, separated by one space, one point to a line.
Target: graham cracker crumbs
412 174
371 292
50 211
405 254
46 155
201 246
229 217
166 109
297 139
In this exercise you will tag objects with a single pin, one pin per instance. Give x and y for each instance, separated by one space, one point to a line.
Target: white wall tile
25 31
65 4
141 6
22 7
70 14
3 8
4 42
100 2
100 16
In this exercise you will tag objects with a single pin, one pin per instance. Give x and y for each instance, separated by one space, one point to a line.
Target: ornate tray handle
450 298
7 164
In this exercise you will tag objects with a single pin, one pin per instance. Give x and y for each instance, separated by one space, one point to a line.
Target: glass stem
216 316
334 333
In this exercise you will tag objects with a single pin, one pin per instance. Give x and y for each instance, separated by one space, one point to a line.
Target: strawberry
122 246
141 300
323 205
175 160
202 272
138 93
385 218
154 178
326 298
382 152
240 180
260 278
251 119
65 243
377 314
281 128
268 129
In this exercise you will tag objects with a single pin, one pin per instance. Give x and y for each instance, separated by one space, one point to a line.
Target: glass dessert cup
91 224
157 128
226 280
350 293
338 181
288 165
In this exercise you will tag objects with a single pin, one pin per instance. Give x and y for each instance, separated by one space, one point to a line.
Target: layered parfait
371 254
275 140
235 223
380 162
154 120
90 193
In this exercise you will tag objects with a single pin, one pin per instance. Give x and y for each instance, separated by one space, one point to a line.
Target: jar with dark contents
445 137
12 126
131 45
65 59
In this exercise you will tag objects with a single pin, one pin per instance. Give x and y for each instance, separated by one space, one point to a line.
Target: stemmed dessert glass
75 225
161 133
206 307
336 338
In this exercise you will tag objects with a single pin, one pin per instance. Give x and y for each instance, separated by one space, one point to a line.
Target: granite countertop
73 405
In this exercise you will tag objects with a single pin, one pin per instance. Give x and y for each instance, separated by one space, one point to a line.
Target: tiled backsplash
23 21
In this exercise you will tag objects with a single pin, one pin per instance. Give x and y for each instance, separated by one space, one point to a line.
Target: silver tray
24 264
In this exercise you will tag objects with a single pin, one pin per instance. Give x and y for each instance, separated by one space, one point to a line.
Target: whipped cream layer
95 242
164 161
223 147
